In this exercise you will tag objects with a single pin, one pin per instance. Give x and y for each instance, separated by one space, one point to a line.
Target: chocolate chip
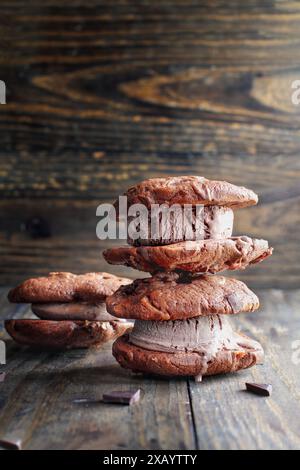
2 376
264 390
126 398
11 444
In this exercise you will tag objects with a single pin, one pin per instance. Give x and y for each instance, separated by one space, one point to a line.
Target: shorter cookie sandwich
71 308
194 347
200 256
170 296
182 325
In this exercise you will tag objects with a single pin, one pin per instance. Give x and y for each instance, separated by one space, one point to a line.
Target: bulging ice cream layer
73 311
206 335
208 222
218 222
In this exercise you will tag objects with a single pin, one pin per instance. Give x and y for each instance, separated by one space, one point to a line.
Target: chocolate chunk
264 390
126 398
2 376
11 444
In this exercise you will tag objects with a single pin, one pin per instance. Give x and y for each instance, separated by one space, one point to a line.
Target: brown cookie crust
212 255
189 190
138 359
174 297
49 334
67 287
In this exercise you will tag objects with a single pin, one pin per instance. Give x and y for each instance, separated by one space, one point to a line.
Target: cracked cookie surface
189 190
202 256
67 287
175 297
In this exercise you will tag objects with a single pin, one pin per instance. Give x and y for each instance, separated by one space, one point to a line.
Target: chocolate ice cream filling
211 222
73 311
205 335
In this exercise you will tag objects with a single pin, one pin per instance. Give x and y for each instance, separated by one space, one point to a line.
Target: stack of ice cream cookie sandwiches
71 310
182 312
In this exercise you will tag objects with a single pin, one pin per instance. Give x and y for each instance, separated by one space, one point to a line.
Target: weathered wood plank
36 402
36 398
102 95
228 417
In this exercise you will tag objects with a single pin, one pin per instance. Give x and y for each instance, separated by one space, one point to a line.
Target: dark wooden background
103 94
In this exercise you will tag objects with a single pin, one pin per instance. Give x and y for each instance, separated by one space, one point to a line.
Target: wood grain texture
38 393
247 421
104 94
36 397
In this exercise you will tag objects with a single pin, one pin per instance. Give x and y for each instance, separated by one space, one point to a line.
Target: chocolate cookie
195 256
47 334
189 190
67 287
139 359
174 297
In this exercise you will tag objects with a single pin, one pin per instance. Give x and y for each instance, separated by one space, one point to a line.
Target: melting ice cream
206 335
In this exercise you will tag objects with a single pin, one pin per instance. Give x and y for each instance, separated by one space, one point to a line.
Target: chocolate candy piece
11 443
264 390
126 398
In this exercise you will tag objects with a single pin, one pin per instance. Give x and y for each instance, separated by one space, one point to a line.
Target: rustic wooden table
37 397
101 95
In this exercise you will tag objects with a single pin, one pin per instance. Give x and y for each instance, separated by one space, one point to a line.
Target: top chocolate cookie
67 287
189 190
